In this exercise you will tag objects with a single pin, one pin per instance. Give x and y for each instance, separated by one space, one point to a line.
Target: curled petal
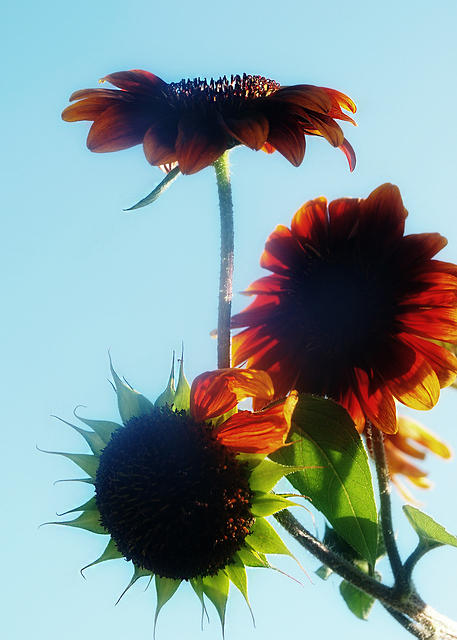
261 432
349 152
214 393
136 80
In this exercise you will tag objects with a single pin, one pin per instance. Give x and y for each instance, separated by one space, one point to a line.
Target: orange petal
377 404
87 109
214 393
442 361
118 127
310 222
261 432
437 324
268 148
326 127
408 428
250 130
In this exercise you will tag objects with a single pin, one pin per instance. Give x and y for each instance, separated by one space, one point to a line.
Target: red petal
250 130
88 109
118 127
349 152
437 324
344 215
268 148
213 393
377 404
383 213
288 138
158 144
198 144
310 224
324 126
137 81
261 432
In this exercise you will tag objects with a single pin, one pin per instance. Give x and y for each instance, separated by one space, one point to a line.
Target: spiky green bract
261 476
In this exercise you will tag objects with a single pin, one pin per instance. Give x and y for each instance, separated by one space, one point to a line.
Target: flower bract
353 308
182 485
193 122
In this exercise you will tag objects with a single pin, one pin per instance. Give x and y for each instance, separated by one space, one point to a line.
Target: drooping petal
214 393
261 432
287 137
412 430
158 143
136 80
442 361
118 127
349 152
251 130
87 109
198 144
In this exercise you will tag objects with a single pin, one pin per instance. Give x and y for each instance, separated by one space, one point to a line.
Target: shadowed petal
251 130
158 144
118 127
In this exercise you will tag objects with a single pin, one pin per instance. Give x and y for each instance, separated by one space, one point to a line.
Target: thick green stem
222 168
377 442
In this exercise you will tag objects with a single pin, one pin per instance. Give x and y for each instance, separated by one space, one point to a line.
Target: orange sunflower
192 122
352 309
412 442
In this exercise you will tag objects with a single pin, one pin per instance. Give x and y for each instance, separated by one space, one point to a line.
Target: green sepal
94 441
181 401
103 428
197 586
216 589
138 573
267 474
167 397
236 572
358 602
251 558
131 403
90 505
264 539
157 191
111 552
336 475
87 480
85 461
265 504
88 520
252 460
431 534
165 588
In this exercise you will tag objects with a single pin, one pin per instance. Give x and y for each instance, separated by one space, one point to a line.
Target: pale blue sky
79 276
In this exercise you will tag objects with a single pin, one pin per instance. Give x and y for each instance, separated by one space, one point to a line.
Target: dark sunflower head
174 500
352 309
192 122
177 488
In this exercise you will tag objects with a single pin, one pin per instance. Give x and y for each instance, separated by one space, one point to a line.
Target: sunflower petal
251 130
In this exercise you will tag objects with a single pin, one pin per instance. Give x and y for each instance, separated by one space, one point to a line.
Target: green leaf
216 589
267 474
182 397
359 602
85 461
337 477
104 428
265 504
110 553
264 539
157 191
167 397
131 403
88 520
94 441
165 588
431 534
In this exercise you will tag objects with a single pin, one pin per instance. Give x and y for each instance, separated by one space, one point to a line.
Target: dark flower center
230 92
175 501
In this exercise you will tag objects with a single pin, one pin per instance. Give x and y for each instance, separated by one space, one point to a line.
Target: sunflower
352 308
412 442
182 486
192 122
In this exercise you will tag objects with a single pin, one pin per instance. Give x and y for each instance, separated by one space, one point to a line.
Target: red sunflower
352 309
192 122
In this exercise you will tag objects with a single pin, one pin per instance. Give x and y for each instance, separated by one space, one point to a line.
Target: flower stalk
222 169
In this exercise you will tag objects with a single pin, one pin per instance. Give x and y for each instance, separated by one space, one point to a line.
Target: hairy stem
382 472
431 624
222 168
